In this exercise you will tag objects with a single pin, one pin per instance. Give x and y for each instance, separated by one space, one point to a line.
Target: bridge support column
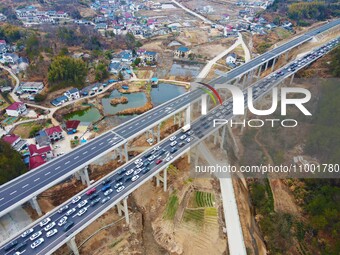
216 133
204 104
259 73
123 207
126 155
34 203
291 79
187 115
266 67
286 55
273 65
73 246
84 176
159 133
223 136
163 179
244 80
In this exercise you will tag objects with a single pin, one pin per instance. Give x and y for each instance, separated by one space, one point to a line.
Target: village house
36 161
31 87
182 52
72 94
45 151
150 56
16 109
42 139
54 133
115 67
59 100
15 141
231 58
10 58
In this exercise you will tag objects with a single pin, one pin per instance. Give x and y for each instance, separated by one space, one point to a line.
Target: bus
185 128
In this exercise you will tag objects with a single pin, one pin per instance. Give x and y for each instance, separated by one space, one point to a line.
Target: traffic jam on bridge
81 210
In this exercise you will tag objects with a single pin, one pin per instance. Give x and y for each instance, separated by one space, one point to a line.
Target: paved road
25 187
200 128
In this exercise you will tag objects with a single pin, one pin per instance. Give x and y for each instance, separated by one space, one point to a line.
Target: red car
158 161
90 191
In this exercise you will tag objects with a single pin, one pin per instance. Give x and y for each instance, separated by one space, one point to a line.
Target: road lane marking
123 131
57 168
130 127
84 152
37 179
47 173
24 186
93 148
13 192
76 157
1 199
101 144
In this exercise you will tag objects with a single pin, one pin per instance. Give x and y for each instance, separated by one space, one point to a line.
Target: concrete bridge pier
273 65
266 66
204 104
122 207
72 245
126 155
158 132
163 179
84 176
188 115
35 205
291 79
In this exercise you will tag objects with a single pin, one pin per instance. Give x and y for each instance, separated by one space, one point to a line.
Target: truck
185 128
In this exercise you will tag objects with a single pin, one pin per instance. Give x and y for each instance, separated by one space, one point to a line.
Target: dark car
146 163
68 226
106 187
119 178
181 144
128 178
173 149
11 245
145 170
106 181
96 201
161 152
93 196
121 171
20 246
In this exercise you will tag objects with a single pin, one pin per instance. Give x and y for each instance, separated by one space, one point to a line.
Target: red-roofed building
36 161
54 133
45 152
16 109
15 141
72 125
2 42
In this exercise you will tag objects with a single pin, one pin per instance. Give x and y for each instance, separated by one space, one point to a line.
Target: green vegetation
335 63
195 215
204 199
65 71
316 10
101 72
171 207
32 46
263 47
324 138
10 33
11 164
262 196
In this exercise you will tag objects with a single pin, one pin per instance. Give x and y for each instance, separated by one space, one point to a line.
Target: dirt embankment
120 100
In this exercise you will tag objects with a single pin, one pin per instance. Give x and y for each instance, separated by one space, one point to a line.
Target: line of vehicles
101 194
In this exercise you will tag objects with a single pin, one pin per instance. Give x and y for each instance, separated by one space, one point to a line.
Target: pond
165 92
89 115
135 100
186 70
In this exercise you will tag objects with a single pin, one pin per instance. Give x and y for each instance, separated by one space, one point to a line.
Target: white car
120 189
52 232
76 199
263 59
137 171
82 211
129 172
169 158
173 143
62 221
49 226
35 235
44 222
135 177
82 203
173 138
63 209
118 184
139 165
69 212
188 140
37 243
108 192
183 137
138 161
152 157
27 232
